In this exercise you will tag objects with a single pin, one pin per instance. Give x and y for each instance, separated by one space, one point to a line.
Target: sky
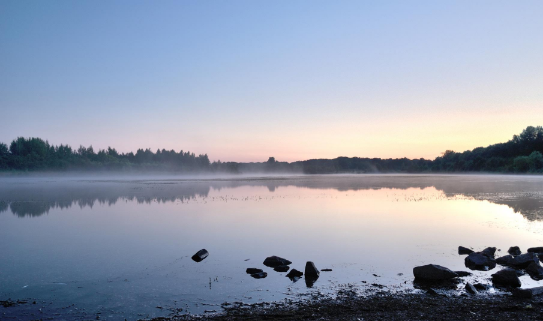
296 79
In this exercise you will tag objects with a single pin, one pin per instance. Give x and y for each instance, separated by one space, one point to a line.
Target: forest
522 154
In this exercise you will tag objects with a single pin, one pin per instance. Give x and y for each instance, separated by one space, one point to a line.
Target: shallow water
121 248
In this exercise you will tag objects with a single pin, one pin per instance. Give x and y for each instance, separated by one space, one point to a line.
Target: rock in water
506 277
535 271
471 289
311 271
522 261
480 262
433 272
489 251
514 250
253 270
259 275
281 268
462 273
294 274
504 260
464 250
273 261
200 255
538 250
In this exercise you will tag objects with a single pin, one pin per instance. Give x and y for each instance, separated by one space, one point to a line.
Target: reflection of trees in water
523 195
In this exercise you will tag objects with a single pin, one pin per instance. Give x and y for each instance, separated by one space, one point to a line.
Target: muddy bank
386 307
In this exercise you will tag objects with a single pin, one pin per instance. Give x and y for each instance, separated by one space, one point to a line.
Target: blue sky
244 80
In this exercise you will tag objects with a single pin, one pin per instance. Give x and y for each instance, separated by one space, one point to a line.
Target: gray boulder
480 262
506 277
433 272
200 255
514 250
273 261
311 271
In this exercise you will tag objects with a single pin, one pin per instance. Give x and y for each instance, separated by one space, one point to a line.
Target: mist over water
121 246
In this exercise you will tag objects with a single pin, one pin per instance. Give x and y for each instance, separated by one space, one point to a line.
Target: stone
464 250
326 270
514 250
489 251
482 287
311 271
433 272
200 255
294 273
281 268
522 261
253 270
480 262
506 277
538 250
535 270
504 260
462 273
471 289
273 261
528 293
259 275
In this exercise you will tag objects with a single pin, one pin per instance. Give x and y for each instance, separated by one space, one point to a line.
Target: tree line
522 154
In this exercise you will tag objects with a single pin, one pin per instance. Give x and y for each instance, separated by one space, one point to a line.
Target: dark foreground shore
387 307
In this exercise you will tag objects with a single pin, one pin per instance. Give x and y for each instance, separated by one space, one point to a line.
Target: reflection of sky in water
126 247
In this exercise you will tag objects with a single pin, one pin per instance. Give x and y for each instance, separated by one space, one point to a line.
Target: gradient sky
244 80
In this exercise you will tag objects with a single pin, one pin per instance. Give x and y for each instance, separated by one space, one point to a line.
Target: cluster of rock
516 264
280 264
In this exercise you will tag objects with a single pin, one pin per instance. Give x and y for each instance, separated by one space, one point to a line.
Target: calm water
122 248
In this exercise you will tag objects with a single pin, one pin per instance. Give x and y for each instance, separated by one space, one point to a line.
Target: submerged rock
433 272
311 271
514 250
506 277
470 288
489 251
464 250
535 271
480 262
281 268
538 250
294 274
273 261
200 255
253 270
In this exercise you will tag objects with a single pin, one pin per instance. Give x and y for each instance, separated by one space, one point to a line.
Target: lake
121 248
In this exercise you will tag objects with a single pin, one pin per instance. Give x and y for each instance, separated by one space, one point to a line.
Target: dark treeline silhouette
522 154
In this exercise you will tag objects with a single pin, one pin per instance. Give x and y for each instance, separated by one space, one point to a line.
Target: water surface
121 248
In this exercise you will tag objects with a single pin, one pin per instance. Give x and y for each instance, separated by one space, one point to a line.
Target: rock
281 268
506 277
464 250
538 250
462 273
480 262
294 273
253 270
528 293
311 271
326 270
273 261
482 287
535 271
200 255
433 272
522 261
489 251
259 275
514 250
504 260
470 288
432 291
